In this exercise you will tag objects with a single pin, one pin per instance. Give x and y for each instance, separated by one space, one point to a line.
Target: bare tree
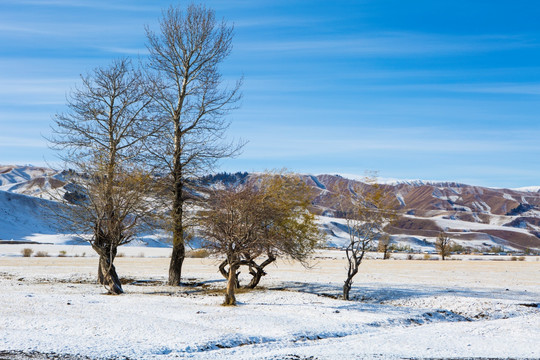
286 194
267 218
100 137
187 88
384 246
367 209
443 245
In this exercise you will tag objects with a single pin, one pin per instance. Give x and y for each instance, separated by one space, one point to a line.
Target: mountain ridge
473 216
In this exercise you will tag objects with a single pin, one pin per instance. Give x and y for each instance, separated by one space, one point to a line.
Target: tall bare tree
267 218
367 209
187 88
101 137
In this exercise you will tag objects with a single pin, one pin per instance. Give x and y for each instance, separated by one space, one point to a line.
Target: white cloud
394 44
481 88
125 50
21 142
347 142
94 4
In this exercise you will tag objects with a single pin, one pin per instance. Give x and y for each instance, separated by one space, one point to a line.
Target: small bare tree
367 209
100 138
268 218
287 194
384 246
187 89
443 245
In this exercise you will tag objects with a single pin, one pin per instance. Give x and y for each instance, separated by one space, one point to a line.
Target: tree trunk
222 269
110 278
354 258
257 271
175 267
257 275
225 272
101 276
230 299
351 272
179 249
347 288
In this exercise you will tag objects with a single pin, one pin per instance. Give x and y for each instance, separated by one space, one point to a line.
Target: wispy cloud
280 21
21 142
125 50
31 29
329 141
95 4
479 88
56 31
395 44
32 92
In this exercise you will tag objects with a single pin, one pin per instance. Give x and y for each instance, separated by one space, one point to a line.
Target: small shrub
513 258
427 257
141 255
83 254
410 257
400 248
42 254
62 253
120 255
27 252
521 258
457 248
198 254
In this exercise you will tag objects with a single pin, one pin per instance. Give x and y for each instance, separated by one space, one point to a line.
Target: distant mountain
472 216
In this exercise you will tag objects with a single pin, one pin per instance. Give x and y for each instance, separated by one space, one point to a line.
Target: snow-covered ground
400 309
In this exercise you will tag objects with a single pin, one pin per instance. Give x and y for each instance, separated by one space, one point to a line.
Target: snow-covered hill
472 216
27 211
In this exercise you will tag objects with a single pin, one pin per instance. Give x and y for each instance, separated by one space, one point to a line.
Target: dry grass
415 273
27 252
198 254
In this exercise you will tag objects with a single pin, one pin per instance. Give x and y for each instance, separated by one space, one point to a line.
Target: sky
420 89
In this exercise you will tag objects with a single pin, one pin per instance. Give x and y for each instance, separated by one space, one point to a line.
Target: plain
400 309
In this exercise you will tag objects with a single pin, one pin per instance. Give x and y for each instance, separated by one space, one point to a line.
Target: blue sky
443 90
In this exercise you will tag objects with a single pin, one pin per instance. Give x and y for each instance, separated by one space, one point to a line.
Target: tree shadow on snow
384 293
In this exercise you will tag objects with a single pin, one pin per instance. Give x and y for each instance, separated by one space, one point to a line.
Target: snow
29 218
508 197
23 217
392 181
400 309
528 189
401 199
467 225
18 174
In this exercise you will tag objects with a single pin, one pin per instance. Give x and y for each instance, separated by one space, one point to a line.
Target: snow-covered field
401 309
